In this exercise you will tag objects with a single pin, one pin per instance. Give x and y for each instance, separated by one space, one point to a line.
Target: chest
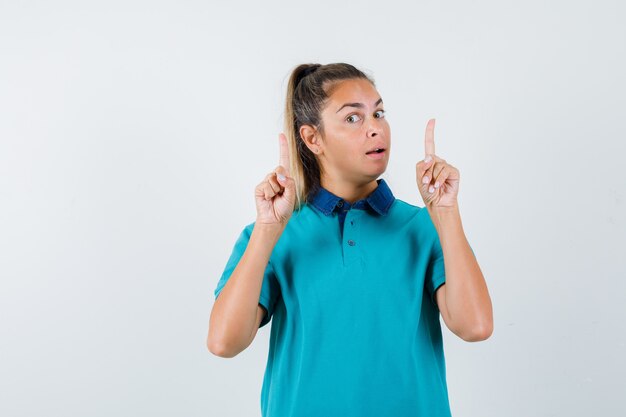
368 262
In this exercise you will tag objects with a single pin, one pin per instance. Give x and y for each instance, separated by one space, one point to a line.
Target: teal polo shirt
355 329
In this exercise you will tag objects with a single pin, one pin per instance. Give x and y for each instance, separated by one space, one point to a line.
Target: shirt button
340 203
351 242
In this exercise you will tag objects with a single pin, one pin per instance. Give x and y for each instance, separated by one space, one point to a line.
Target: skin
463 300
346 170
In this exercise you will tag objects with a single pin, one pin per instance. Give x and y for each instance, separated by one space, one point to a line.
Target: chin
380 171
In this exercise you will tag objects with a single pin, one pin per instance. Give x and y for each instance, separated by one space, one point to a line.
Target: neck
349 191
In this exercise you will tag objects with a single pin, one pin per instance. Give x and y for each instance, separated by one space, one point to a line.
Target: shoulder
401 205
300 222
417 216
406 211
246 232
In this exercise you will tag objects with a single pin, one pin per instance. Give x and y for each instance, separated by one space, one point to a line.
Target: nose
374 128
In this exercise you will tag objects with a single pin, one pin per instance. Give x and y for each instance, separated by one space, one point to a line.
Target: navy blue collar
379 200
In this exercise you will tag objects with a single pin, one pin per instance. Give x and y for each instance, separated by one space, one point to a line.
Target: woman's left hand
437 180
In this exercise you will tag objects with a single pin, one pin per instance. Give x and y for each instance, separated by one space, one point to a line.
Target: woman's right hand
275 198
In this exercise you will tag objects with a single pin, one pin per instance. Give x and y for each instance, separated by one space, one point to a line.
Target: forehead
354 90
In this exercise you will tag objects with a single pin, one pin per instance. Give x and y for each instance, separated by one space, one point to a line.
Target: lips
377 149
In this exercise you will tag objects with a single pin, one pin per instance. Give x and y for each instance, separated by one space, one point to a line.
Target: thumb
288 183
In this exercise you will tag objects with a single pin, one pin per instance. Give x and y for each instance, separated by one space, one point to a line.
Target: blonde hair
308 89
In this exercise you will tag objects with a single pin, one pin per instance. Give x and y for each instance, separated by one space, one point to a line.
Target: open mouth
378 150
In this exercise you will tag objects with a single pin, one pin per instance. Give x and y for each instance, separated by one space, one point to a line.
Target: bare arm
236 313
463 300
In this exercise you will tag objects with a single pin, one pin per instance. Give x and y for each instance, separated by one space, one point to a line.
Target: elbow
216 348
221 346
221 349
478 333
219 342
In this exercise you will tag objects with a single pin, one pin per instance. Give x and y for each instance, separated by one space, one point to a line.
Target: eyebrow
380 100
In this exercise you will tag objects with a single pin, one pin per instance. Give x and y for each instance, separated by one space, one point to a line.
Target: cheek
387 128
346 155
357 153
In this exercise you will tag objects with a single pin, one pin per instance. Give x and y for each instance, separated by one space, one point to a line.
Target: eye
382 113
351 117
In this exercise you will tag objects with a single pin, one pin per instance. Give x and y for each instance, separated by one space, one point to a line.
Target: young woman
354 278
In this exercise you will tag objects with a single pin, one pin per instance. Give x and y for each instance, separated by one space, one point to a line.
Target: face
354 124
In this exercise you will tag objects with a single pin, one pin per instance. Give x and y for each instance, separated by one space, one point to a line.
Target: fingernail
281 177
428 158
431 189
437 184
425 180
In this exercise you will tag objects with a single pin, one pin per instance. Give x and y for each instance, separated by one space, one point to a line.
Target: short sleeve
269 289
436 273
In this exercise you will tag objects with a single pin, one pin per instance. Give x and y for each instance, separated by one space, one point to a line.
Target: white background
132 135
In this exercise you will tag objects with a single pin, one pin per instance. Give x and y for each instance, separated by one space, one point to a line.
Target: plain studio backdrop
133 134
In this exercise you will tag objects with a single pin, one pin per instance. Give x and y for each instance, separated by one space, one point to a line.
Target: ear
309 135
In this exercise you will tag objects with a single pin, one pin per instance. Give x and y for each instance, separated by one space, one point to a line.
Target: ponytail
308 89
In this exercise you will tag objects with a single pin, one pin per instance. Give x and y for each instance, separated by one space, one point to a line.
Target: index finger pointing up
284 152
429 140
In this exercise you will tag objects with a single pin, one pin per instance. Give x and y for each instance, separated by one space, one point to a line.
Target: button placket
351 251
